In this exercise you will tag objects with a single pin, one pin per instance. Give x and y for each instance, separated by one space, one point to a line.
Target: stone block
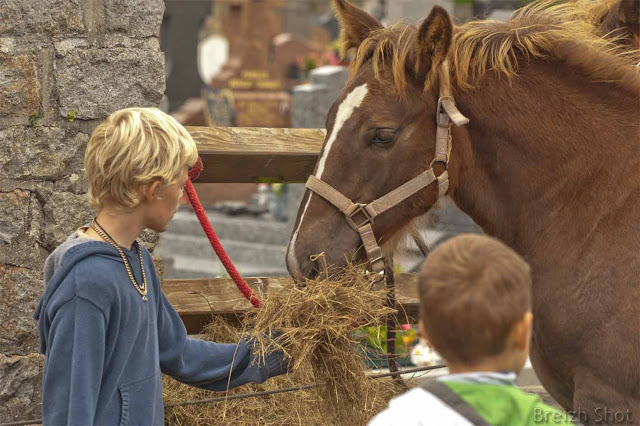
64 212
93 83
42 188
15 211
309 102
111 40
38 152
20 384
7 44
19 85
76 183
20 290
54 18
149 239
136 18
333 77
312 101
21 229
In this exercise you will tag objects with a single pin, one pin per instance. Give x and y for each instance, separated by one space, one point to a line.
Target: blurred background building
269 63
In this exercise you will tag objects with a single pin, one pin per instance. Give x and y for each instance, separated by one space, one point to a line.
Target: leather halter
446 112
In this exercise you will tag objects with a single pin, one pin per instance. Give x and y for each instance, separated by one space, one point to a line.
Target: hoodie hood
58 266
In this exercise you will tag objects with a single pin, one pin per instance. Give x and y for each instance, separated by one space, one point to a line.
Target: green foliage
71 116
33 118
309 64
376 338
373 344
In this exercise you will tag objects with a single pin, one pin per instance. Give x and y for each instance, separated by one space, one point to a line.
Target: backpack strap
453 400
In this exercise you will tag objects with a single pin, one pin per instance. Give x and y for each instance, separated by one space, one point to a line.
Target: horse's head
381 133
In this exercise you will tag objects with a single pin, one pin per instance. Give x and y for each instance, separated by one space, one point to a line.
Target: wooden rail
196 300
254 155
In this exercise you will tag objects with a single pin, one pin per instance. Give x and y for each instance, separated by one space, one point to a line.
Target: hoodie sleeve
74 363
208 365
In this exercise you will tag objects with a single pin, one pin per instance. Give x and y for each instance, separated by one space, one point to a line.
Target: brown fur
548 164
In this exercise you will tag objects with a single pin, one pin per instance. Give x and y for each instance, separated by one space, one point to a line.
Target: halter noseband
446 112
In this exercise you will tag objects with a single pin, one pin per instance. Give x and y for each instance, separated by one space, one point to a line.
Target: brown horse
549 163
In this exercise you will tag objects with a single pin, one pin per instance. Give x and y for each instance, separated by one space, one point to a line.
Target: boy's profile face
161 202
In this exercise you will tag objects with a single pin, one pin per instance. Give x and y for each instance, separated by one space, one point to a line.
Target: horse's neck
552 153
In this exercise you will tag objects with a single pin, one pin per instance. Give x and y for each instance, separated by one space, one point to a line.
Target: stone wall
65 65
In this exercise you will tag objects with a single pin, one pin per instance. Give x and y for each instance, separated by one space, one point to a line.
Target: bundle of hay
314 326
317 322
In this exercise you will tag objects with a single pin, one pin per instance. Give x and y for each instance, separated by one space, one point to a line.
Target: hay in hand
314 326
317 322
280 409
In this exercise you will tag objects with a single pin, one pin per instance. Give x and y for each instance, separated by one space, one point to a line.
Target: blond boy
106 328
475 310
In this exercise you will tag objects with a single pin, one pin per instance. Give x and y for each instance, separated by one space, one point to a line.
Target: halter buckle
360 209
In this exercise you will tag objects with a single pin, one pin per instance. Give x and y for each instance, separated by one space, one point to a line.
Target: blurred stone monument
179 42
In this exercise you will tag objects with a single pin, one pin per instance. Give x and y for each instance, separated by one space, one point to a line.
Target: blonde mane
544 29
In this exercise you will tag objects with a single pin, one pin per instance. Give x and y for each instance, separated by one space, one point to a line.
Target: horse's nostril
313 274
302 270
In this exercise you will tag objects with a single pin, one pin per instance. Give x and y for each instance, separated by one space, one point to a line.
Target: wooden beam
197 300
254 155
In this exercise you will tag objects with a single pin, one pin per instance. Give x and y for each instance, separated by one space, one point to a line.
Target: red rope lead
213 238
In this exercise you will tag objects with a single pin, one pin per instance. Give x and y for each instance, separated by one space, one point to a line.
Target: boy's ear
149 190
356 24
521 332
424 334
432 44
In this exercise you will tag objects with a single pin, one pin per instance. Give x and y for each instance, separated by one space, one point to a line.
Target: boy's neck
497 364
123 226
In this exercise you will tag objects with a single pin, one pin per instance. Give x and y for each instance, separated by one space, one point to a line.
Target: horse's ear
433 43
356 24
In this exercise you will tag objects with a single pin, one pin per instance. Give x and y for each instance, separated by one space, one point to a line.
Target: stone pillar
65 65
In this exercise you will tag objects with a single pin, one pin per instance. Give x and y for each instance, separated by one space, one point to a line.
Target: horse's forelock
394 46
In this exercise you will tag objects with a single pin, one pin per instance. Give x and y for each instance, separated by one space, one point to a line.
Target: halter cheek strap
361 216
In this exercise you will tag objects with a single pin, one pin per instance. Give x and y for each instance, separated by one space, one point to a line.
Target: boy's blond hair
132 147
473 289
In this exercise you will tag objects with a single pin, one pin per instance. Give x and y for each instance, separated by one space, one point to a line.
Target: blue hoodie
106 348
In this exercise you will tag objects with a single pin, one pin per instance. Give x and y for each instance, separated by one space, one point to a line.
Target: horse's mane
543 29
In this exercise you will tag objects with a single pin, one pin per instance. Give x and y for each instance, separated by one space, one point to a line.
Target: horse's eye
383 137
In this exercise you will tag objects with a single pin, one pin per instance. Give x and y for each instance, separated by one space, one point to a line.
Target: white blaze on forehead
345 110
352 101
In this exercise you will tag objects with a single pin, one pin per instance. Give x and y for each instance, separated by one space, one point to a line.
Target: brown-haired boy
475 309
